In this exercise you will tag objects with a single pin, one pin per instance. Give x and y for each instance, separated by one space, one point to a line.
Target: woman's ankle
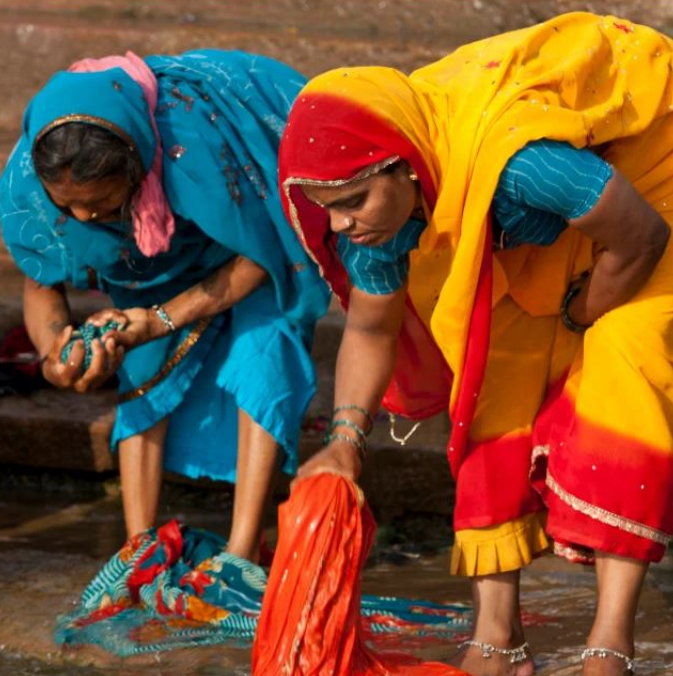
501 632
477 657
613 640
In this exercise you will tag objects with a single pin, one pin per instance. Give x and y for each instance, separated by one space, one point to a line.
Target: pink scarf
153 222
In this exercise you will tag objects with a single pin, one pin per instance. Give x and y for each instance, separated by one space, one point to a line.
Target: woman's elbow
657 239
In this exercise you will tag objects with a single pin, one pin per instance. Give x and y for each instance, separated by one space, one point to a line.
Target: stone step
42 36
63 430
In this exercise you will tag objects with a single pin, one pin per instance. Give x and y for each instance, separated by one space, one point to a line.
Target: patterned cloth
87 333
176 587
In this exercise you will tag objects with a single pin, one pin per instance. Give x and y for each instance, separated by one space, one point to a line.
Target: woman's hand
137 326
105 361
339 457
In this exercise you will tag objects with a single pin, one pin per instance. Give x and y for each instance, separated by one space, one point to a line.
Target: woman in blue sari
215 297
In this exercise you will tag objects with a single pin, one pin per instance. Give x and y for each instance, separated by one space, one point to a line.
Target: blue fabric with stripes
380 269
541 187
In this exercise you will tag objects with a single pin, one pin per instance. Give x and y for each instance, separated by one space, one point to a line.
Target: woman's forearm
364 366
220 291
613 281
367 353
46 313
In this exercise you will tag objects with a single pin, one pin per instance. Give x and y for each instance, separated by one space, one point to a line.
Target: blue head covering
220 117
110 99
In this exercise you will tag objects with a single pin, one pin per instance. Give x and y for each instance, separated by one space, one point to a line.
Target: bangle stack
359 441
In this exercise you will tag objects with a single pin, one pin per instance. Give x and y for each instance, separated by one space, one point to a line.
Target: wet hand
339 458
103 317
104 363
106 357
140 326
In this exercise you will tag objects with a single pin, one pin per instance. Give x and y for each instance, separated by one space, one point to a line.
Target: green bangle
359 409
359 447
350 424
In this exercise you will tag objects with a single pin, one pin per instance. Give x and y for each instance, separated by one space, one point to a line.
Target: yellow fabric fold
585 79
499 549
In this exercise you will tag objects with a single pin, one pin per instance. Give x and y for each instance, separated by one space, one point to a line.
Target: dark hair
391 168
91 153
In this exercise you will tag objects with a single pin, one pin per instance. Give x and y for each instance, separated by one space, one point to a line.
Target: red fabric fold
310 623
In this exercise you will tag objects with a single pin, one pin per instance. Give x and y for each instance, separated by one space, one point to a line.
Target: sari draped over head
592 81
219 117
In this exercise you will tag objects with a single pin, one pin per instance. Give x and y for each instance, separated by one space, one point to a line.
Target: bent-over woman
497 226
155 181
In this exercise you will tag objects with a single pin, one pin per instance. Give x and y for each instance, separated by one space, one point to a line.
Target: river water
62 540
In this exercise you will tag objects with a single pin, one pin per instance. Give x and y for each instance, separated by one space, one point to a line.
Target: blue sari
220 117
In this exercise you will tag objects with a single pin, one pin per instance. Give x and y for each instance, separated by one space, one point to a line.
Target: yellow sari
589 420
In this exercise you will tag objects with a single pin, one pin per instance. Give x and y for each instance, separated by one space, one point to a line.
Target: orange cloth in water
310 622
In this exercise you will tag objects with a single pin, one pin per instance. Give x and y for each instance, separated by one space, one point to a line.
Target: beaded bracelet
351 425
163 315
359 409
359 446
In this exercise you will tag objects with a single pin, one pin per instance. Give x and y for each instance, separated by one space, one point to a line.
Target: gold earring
93 216
413 176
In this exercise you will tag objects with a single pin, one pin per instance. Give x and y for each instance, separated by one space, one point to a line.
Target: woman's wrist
160 322
575 321
346 455
354 442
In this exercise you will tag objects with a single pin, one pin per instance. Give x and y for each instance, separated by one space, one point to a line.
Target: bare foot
472 660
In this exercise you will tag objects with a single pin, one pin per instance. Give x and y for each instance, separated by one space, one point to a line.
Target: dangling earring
413 176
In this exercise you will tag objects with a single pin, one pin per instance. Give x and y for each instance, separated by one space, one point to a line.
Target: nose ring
349 221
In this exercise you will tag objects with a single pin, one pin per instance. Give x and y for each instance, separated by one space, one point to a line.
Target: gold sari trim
294 214
87 119
184 347
574 554
609 518
539 451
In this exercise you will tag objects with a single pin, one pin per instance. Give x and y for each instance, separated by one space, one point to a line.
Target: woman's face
101 201
371 211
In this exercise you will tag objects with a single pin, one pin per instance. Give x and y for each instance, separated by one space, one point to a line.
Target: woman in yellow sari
497 225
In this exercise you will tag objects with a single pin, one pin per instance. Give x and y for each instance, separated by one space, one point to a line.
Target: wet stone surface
54 538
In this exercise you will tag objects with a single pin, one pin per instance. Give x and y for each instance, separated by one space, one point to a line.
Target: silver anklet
519 654
603 653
